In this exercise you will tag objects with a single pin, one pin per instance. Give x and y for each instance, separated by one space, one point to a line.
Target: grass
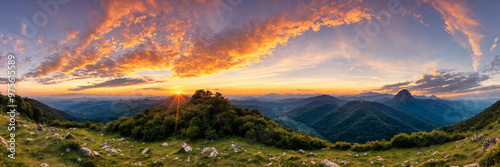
52 151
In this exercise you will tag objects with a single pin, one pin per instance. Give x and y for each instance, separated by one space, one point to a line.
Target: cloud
128 37
117 83
458 17
442 82
6 80
494 44
493 65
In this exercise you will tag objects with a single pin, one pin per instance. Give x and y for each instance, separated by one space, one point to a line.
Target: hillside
362 121
490 117
115 149
35 110
437 112
311 111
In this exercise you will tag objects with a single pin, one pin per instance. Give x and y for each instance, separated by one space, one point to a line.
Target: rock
68 150
95 154
312 162
88 139
79 160
164 145
270 155
435 152
40 128
365 154
312 154
51 129
235 148
419 153
136 164
446 156
106 146
55 135
186 147
270 164
3 142
327 163
44 165
430 160
477 138
29 139
303 163
346 163
31 133
145 151
24 126
68 136
473 165
349 154
155 164
453 166
86 152
489 143
380 158
123 139
213 152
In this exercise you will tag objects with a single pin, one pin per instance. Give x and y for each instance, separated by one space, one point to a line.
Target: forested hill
211 116
34 110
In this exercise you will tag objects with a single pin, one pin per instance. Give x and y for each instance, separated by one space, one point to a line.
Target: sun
178 92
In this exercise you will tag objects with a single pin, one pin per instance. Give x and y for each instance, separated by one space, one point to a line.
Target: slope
361 121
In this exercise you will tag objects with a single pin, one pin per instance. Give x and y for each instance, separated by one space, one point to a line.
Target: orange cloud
458 17
135 35
494 44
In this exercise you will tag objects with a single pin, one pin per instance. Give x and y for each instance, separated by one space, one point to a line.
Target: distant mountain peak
403 96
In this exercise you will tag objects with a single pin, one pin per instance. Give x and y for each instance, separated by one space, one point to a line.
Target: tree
37 114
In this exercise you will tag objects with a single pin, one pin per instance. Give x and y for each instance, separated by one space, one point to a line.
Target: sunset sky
240 47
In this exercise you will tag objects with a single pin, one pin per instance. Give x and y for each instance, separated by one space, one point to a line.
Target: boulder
312 154
95 154
55 135
186 147
3 142
68 136
68 150
164 144
44 165
489 143
301 151
213 152
145 151
236 148
40 128
86 152
327 163
51 129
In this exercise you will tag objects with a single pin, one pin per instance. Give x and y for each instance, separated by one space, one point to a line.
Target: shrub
492 157
342 145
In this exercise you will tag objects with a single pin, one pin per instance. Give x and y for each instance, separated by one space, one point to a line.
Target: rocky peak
403 96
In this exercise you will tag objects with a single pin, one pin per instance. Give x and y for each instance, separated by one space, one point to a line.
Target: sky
446 48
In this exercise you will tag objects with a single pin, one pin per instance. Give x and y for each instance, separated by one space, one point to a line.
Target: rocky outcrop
187 148
327 163
489 143
40 128
211 150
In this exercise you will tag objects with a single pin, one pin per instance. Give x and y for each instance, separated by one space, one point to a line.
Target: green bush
342 145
